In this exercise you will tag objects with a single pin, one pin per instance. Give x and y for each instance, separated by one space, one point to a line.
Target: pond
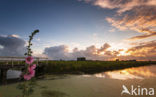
130 73
13 74
105 84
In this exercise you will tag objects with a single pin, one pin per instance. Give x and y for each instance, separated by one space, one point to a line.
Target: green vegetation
80 67
88 67
48 93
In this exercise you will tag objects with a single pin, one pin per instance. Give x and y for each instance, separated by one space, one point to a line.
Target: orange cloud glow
134 15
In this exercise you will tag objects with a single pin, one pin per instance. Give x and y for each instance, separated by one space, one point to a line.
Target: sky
95 29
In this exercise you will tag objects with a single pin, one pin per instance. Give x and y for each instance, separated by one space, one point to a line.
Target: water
13 74
105 84
124 74
130 73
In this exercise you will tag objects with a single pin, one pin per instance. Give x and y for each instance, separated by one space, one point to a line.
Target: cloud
57 52
140 20
91 53
12 45
142 36
134 15
121 5
143 51
143 46
103 48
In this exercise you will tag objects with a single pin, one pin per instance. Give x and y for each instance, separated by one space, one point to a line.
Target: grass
88 67
49 93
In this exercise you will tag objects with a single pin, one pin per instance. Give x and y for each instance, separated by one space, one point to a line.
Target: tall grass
77 67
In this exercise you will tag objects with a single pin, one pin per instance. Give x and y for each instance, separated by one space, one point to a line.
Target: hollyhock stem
29 70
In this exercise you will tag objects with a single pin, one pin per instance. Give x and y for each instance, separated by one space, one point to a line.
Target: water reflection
131 73
13 74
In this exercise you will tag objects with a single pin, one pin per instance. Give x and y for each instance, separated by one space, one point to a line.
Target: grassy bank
88 67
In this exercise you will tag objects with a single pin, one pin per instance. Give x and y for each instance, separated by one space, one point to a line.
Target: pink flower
27 77
29 60
31 72
32 67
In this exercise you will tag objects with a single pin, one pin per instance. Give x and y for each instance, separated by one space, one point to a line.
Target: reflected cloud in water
131 73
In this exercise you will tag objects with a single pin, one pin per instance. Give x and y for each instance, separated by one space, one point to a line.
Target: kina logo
137 90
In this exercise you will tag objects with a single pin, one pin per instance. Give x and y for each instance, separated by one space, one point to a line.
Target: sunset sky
95 29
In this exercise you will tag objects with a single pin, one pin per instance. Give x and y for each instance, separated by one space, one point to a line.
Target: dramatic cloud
142 36
141 20
12 45
103 48
121 5
142 51
91 53
148 34
57 52
134 15
145 47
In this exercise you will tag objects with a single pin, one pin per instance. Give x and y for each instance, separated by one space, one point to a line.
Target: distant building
117 60
81 59
132 60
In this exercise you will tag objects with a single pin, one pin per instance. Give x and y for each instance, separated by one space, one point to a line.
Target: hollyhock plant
27 86
29 60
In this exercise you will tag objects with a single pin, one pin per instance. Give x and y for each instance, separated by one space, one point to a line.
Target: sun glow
123 52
